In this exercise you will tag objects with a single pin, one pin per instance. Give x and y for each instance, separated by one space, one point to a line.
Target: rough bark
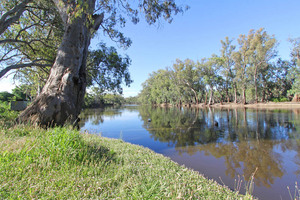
62 96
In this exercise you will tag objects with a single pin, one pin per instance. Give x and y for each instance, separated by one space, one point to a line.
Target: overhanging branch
20 66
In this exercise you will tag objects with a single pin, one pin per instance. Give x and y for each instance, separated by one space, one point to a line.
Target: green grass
61 163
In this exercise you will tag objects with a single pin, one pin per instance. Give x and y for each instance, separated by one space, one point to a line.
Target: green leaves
107 69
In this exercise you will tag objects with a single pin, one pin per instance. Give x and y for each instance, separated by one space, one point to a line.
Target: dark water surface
227 145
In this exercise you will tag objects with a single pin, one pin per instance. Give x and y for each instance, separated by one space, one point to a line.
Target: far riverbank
268 105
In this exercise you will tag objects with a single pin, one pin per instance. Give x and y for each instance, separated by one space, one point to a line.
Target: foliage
7 116
33 38
131 100
113 99
294 74
245 73
283 99
96 97
62 163
16 95
6 96
107 69
19 94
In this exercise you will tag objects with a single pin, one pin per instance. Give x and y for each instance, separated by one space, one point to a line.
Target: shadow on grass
96 153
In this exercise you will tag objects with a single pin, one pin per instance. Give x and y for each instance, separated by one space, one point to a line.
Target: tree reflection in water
245 138
96 116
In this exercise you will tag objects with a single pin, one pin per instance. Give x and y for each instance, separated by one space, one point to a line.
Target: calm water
226 145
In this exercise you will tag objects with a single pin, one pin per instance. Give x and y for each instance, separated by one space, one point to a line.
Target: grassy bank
63 164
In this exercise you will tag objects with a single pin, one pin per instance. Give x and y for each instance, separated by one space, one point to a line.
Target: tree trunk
255 87
62 96
210 97
255 84
235 95
263 98
227 92
244 96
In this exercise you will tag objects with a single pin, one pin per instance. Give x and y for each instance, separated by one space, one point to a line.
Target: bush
7 116
280 99
6 96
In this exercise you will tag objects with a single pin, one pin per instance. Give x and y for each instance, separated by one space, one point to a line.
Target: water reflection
189 127
243 139
247 156
95 116
246 139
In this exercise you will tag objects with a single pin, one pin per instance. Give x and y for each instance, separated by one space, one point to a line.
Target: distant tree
19 94
113 99
209 71
131 100
6 96
226 63
262 51
276 81
187 76
294 74
94 98
242 60
159 88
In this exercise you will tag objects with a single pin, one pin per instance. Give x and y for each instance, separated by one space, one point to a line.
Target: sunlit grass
61 163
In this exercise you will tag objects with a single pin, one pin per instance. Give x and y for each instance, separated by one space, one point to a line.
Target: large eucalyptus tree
263 50
226 63
242 60
62 96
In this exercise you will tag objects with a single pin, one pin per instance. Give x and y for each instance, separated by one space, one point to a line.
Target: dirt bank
269 105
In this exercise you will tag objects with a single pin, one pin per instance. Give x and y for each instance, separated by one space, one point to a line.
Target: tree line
249 71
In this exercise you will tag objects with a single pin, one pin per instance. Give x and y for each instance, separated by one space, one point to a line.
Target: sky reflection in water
223 144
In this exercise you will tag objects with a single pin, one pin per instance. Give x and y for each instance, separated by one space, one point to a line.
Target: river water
227 145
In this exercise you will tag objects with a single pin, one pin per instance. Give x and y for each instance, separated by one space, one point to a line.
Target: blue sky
197 33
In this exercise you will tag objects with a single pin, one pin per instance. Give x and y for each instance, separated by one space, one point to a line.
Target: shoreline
268 105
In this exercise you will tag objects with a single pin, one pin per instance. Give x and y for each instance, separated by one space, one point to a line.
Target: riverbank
61 163
268 105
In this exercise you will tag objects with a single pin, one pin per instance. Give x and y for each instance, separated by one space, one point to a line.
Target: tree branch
62 10
19 66
12 15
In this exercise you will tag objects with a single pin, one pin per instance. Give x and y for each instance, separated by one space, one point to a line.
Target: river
227 145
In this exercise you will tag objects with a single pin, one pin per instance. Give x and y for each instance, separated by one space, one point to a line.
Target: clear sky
197 33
